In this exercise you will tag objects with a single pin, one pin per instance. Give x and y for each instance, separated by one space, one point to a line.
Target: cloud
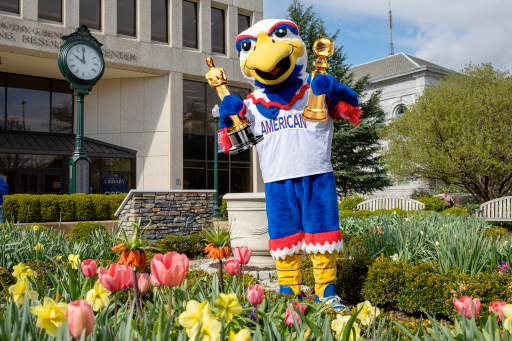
450 33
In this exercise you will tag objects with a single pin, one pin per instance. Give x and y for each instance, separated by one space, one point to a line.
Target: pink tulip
497 308
169 269
232 266
255 294
88 267
289 319
154 281
143 282
80 316
112 279
464 304
127 278
242 254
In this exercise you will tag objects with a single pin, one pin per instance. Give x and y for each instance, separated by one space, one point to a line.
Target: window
199 140
35 104
12 6
111 175
90 13
190 24
50 10
126 10
244 21
159 20
218 32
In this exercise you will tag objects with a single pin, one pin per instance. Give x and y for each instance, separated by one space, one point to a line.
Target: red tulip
232 266
497 308
169 269
464 305
112 279
255 294
127 278
242 254
88 267
143 282
154 281
289 319
80 316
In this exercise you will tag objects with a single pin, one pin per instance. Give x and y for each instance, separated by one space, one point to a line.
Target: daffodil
19 289
21 271
39 247
507 312
50 315
210 328
228 307
367 313
339 324
505 243
395 257
192 315
97 297
74 260
437 243
58 258
242 335
6 236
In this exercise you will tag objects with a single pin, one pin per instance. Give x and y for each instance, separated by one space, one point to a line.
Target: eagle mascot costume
295 154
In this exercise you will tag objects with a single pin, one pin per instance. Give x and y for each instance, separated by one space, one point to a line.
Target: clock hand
80 59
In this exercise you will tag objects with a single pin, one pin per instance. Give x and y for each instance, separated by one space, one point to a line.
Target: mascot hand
329 86
231 105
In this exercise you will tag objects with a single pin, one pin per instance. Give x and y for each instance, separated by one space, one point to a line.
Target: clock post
82 65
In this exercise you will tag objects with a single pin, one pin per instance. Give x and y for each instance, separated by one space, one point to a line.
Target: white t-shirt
292 147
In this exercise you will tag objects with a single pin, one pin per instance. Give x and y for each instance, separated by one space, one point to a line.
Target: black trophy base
243 139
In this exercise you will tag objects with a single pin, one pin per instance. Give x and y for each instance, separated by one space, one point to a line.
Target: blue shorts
303 215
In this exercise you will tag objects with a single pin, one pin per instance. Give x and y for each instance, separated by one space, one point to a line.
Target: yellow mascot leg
324 270
289 275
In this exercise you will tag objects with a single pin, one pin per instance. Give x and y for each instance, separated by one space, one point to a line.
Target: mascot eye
281 32
246 45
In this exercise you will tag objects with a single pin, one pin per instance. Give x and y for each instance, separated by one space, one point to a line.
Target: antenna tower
391 48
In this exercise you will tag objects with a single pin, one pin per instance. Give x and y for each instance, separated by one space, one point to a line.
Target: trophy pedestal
314 115
243 139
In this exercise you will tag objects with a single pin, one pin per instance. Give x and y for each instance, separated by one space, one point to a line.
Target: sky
450 33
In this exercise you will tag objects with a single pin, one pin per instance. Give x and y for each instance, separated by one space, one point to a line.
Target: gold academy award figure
240 133
315 111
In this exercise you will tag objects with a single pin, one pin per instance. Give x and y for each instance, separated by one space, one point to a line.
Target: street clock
82 65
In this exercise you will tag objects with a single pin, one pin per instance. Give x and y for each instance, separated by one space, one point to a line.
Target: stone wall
176 212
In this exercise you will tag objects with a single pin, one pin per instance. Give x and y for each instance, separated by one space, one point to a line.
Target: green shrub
84 207
398 211
380 211
455 211
83 231
224 208
28 209
50 210
420 192
101 207
432 203
192 245
41 269
114 201
67 208
349 203
495 232
346 214
363 213
6 280
10 207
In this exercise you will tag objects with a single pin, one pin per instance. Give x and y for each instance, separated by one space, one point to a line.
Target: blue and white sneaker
286 290
330 297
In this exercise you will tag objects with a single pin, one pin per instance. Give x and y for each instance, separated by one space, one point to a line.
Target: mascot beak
272 61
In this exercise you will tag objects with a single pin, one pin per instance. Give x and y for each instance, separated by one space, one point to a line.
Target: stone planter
248 223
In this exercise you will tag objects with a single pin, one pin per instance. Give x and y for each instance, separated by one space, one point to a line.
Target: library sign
52 39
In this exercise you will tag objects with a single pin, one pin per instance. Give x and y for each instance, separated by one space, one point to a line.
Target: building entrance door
39 181
28 181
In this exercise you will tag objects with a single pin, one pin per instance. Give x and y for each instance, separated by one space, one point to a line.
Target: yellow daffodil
97 297
74 260
367 313
21 271
50 315
507 312
35 227
210 328
243 335
192 315
19 289
6 236
228 307
505 243
39 247
339 323
58 259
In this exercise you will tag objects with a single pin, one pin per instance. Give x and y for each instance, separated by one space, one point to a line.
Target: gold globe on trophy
315 111
240 133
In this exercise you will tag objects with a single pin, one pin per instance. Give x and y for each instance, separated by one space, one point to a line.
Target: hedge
29 208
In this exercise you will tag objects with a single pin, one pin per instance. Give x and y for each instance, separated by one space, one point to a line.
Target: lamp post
216 208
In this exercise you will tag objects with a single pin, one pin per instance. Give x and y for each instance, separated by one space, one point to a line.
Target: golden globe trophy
240 133
315 111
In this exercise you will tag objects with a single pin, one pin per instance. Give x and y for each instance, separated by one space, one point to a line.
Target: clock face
84 61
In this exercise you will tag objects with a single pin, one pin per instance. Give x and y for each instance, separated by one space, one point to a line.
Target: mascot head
271 51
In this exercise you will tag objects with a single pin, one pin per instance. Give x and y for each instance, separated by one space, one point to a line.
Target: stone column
176 130
204 28
232 31
70 10
29 10
258 186
176 23
255 17
144 21
109 18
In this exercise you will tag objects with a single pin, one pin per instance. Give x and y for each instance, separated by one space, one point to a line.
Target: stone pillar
144 21
176 23
109 17
70 10
255 17
258 186
232 31
176 131
29 10
205 26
